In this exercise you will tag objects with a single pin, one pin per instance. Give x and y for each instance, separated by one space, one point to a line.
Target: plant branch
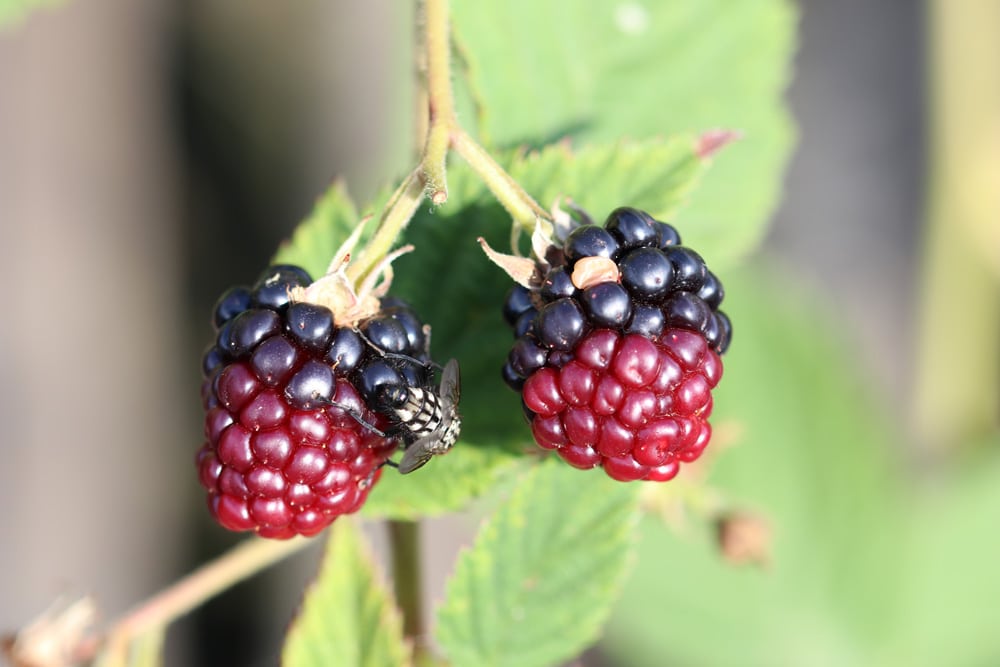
508 192
440 102
443 133
239 563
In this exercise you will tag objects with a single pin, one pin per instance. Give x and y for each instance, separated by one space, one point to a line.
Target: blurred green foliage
12 12
867 567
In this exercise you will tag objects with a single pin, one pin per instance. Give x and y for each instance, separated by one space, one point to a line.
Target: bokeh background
153 153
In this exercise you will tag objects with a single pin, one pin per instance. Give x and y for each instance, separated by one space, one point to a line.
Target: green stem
404 540
398 212
522 208
440 103
957 392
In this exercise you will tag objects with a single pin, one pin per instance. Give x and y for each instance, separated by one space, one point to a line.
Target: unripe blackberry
293 438
617 364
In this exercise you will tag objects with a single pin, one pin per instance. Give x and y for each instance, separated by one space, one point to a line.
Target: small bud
744 538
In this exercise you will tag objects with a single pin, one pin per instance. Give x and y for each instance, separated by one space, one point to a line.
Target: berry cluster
289 395
618 348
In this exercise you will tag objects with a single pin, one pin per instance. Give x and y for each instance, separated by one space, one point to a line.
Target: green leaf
655 175
550 69
317 238
453 286
348 617
541 577
446 484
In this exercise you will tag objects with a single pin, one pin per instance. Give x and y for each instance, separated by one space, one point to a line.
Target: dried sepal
522 270
542 244
562 222
348 302
59 637
379 279
343 254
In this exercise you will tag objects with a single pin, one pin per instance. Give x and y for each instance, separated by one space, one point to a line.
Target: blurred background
152 154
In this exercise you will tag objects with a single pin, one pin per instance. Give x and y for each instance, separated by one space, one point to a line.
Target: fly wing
451 382
415 456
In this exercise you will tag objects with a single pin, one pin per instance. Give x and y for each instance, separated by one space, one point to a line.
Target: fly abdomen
421 413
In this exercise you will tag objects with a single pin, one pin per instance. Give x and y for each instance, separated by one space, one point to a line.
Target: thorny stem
239 563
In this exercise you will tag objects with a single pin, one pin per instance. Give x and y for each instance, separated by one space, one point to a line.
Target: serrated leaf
549 69
446 484
655 175
348 617
540 579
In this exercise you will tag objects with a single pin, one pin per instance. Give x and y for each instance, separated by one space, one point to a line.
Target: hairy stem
443 133
440 103
508 192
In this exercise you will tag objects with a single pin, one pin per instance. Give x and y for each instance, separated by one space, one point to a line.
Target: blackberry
589 241
560 324
616 364
293 435
557 284
518 302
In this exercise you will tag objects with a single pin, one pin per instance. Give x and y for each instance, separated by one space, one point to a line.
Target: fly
426 417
